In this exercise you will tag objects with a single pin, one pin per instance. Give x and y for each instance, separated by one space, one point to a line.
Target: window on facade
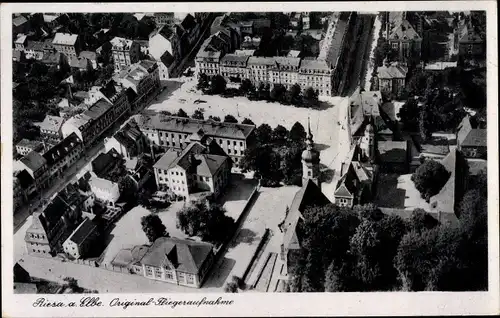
190 279
229 151
169 275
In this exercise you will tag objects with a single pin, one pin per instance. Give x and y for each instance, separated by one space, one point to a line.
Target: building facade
25 146
62 156
50 128
67 44
125 52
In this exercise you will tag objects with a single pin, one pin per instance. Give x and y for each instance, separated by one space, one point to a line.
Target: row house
92 123
34 50
316 74
285 71
129 141
176 132
202 169
26 185
188 32
50 228
234 67
68 44
63 155
259 68
172 260
125 52
143 79
208 58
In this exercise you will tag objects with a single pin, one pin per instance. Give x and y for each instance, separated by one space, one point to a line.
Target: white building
105 191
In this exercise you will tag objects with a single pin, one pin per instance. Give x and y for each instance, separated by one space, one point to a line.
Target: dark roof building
62 149
105 162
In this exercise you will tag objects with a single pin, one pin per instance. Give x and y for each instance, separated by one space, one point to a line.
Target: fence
221 248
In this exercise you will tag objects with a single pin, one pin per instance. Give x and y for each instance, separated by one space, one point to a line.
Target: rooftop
257 60
403 30
32 144
234 58
20 20
83 231
33 160
65 39
51 123
184 255
88 55
190 126
98 109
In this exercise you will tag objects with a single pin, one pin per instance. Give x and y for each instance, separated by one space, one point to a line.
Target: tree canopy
153 227
429 178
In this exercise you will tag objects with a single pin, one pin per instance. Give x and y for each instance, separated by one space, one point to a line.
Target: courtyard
398 191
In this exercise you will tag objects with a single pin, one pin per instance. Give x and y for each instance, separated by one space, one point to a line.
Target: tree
231 287
182 113
297 133
429 178
209 223
198 114
279 134
293 95
278 93
263 93
72 284
311 96
409 114
153 227
421 220
263 134
246 87
247 121
203 82
230 119
217 84
214 118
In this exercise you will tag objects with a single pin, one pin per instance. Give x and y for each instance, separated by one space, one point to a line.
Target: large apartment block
324 74
177 132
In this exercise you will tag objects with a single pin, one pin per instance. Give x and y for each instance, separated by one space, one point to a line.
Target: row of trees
276 154
279 93
199 113
362 249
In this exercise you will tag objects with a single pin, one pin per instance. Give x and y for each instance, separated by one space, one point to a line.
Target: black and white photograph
249 152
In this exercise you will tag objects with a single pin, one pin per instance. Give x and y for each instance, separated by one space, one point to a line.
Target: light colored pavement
374 39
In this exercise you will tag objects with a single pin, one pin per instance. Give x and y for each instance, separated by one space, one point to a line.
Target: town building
18 56
358 176
62 156
469 41
67 44
18 192
175 132
26 185
188 32
57 59
404 40
79 243
164 40
125 52
234 67
34 50
143 79
91 56
208 58
391 77
129 141
164 18
106 162
50 128
49 229
80 63
172 260
25 146
202 169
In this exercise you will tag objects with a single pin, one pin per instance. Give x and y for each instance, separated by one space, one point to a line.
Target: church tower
310 159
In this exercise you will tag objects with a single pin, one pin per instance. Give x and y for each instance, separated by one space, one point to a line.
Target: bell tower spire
310 159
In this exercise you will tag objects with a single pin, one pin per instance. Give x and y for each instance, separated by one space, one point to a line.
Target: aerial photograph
239 152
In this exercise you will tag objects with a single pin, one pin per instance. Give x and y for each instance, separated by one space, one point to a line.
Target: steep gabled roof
309 195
